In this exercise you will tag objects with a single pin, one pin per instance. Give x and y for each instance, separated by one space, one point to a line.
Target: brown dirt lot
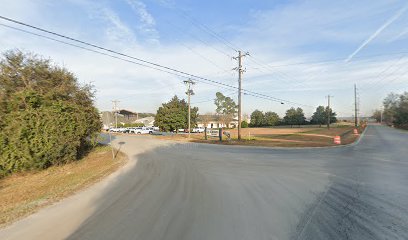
25 193
279 137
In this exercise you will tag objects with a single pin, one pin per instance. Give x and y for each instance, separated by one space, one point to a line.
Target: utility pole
189 92
240 71
328 111
115 110
110 137
355 107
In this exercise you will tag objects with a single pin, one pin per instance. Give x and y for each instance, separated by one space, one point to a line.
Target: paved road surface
192 191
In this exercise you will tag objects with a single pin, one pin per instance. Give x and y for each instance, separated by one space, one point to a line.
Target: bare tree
206 118
226 119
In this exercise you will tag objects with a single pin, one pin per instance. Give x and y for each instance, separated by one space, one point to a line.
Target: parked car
115 130
150 129
129 130
140 130
198 130
122 129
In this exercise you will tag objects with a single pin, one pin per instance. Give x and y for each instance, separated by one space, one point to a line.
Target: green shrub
244 124
47 118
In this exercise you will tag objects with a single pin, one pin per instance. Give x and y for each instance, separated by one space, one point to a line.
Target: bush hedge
244 124
46 117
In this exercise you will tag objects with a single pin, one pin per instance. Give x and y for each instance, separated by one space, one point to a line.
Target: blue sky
338 43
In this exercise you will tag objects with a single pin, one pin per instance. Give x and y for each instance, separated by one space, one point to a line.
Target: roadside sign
213 133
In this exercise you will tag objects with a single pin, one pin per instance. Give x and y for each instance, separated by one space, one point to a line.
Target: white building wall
214 124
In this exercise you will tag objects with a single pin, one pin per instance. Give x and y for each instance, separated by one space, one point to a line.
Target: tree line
46 117
293 116
173 115
395 110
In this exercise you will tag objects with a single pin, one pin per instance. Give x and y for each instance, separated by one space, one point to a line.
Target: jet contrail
376 33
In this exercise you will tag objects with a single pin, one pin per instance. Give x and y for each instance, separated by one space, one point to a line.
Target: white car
115 130
150 129
198 130
140 130
122 129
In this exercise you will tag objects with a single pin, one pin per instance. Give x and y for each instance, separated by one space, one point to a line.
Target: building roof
127 112
212 118
144 120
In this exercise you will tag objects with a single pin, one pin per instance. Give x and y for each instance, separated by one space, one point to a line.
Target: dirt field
279 137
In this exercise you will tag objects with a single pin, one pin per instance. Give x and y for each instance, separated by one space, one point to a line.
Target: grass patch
25 193
312 137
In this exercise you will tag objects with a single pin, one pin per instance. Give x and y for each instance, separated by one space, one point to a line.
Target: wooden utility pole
355 107
189 92
328 111
110 137
115 111
240 71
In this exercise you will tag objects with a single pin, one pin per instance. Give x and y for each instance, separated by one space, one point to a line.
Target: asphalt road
211 192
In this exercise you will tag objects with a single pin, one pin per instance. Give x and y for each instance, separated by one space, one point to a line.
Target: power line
283 77
208 30
336 60
90 50
381 86
212 99
197 38
384 76
155 66
203 57
231 46
217 36
119 58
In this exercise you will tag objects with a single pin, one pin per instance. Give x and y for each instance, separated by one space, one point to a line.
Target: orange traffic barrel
337 140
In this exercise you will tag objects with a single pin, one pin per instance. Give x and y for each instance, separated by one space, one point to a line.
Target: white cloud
277 37
399 36
377 32
148 23
116 30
